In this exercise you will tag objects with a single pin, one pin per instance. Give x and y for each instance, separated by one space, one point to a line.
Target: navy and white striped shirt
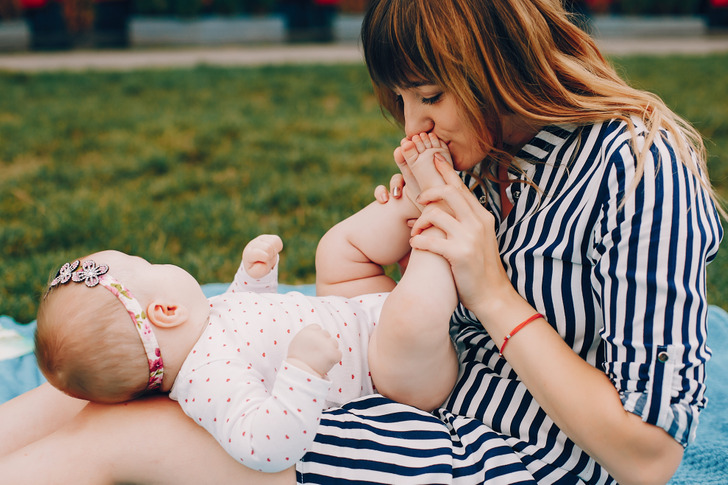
617 268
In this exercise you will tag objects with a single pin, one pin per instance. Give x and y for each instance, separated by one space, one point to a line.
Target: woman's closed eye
432 99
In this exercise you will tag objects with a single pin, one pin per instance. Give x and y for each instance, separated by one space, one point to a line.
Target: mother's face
429 108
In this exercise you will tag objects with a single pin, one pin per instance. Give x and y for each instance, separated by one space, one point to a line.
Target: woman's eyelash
432 100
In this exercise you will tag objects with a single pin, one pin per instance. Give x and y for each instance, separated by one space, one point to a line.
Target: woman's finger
453 198
396 183
436 217
447 171
381 194
434 245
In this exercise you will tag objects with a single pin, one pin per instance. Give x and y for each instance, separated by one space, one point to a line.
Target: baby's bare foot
415 159
419 153
411 186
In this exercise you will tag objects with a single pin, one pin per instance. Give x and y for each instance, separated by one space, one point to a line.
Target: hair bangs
394 55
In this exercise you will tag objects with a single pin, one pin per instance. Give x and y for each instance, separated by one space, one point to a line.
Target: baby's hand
260 255
314 350
414 157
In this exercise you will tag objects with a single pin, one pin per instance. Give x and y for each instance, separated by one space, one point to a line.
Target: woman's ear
166 315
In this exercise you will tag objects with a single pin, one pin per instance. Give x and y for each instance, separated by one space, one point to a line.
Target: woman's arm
579 398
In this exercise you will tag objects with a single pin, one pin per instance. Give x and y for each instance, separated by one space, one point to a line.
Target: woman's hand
470 245
396 184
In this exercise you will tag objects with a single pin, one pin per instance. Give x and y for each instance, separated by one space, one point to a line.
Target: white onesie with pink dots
236 384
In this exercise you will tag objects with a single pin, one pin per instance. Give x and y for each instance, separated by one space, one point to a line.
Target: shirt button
483 199
663 357
516 193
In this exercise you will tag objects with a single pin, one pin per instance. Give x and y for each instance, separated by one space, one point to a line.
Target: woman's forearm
581 400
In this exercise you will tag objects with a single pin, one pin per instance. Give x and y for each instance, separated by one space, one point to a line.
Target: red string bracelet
517 329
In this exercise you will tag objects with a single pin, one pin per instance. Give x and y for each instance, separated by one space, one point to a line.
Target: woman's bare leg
149 441
34 415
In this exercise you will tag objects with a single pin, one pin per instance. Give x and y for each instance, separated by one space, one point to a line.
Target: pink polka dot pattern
237 384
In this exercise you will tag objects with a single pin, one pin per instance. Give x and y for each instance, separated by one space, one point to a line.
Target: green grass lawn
185 166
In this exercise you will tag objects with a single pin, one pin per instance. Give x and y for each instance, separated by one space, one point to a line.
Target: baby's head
95 336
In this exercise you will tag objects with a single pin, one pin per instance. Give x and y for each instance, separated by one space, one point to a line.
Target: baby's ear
166 315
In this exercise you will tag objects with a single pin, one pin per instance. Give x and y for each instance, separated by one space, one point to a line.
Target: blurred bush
660 7
648 7
9 9
194 8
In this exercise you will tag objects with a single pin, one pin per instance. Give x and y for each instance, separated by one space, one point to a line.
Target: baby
254 367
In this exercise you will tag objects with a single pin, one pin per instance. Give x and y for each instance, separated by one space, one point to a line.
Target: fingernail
395 192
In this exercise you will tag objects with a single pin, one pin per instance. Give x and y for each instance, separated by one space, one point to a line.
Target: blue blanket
705 461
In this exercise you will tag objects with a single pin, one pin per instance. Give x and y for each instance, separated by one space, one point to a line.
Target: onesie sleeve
651 249
244 282
266 430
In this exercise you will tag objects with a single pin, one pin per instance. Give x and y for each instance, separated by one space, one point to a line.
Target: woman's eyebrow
417 84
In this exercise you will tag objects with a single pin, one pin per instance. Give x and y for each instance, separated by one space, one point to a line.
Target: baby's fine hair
86 345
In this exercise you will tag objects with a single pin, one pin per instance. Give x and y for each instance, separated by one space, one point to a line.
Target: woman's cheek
466 161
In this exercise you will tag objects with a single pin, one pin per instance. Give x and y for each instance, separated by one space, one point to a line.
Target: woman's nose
416 120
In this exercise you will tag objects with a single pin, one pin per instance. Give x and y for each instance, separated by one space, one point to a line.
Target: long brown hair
499 57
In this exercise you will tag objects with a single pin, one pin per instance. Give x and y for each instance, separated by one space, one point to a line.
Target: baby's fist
260 255
313 349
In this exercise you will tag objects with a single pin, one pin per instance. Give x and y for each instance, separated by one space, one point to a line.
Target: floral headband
92 274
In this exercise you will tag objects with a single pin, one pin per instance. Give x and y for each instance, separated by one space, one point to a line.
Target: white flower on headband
89 273
64 274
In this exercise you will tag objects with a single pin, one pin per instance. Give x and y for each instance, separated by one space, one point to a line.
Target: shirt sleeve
244 282
265 430
651 250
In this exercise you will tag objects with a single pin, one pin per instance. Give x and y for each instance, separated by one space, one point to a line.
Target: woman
579 258
601 218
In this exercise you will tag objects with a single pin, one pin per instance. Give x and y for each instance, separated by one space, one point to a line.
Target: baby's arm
314 350
266 428
258 271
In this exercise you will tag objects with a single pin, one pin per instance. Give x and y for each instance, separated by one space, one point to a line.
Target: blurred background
66 24
185 164
63 24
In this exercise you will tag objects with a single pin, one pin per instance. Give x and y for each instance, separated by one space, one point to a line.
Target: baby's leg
411 357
